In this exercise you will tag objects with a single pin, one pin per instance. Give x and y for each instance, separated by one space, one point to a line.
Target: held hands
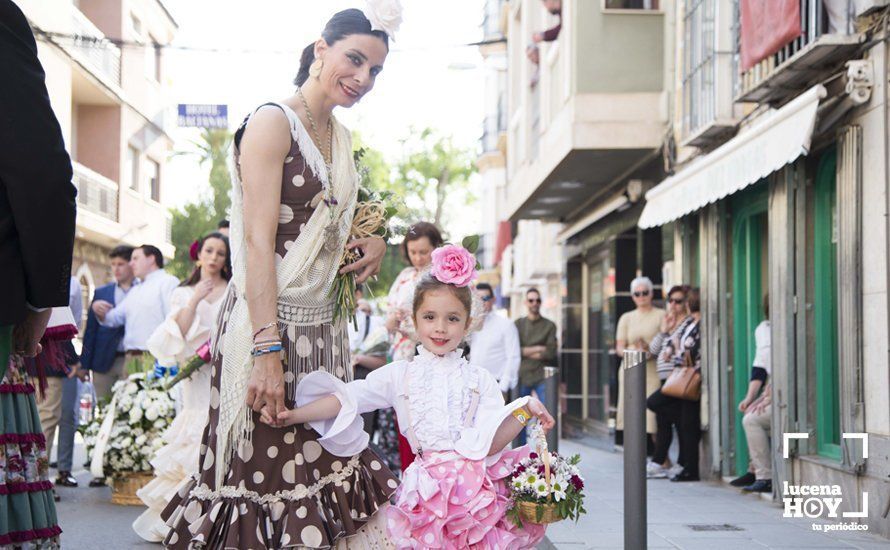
373 249
265 390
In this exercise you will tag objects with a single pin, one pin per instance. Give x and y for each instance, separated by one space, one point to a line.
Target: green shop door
749 285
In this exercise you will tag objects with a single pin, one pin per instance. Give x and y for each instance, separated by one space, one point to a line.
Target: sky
426 81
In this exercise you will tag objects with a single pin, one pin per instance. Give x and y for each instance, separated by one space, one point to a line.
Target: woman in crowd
636 329
420 241
667 408
193 310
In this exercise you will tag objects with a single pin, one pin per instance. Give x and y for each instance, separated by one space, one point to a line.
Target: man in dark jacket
37 207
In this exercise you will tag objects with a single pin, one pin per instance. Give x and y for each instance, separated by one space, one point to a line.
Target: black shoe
685 476
744 480
760 486
65 479
97 482
53 465
56 496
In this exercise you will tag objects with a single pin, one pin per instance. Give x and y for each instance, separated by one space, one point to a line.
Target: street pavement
90 521
676 512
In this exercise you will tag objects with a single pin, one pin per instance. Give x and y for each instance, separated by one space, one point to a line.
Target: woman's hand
668 322
202 290
744 404
540 411
265 390
373 250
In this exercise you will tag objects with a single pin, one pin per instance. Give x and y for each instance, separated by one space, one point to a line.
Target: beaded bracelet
269 343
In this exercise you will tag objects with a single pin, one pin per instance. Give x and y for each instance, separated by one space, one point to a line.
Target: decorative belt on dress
301 315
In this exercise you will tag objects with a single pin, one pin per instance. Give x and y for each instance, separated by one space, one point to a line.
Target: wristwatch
523 415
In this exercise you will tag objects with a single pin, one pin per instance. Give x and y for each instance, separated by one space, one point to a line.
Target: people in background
103 354
688 353
537 341
757 421
666 408
554 7
636 330
193 309
103 348
495 346
223 228
147 305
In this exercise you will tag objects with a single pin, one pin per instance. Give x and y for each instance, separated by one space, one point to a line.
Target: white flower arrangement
143 411
528 483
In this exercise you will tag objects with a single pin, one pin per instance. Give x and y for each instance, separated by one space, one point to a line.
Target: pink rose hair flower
453 265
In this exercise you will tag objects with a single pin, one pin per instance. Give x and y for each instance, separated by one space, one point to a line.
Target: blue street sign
203 116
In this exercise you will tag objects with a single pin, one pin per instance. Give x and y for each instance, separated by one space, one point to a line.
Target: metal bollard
551 388
635 450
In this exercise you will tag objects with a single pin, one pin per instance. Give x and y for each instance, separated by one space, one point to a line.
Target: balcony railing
816 21
493 127
95 193
492 23
90 44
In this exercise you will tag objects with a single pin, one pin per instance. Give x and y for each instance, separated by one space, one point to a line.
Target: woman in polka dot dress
262 486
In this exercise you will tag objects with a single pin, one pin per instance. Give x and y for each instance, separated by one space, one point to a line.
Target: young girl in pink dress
454 495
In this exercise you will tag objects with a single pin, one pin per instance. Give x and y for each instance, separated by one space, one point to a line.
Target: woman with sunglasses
636 329
667 409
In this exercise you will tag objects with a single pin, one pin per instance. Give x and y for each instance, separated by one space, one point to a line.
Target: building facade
779 198
587 118
105 73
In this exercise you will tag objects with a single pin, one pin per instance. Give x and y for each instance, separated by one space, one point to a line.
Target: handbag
684 382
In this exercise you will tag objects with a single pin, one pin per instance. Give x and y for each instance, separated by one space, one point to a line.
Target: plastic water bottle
86 408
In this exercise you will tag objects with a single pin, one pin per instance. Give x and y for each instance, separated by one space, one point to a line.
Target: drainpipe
886 77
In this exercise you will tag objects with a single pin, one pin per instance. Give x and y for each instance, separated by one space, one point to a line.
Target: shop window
645 5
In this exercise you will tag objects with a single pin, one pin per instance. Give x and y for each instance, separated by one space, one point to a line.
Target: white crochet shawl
305 276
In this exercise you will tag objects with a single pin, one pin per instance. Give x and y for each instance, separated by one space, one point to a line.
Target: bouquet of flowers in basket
141 409
546 487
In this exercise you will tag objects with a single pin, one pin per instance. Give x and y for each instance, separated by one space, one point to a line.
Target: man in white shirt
366 321
147 304
495 346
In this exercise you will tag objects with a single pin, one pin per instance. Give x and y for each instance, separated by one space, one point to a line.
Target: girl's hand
373 250
288 417
540 411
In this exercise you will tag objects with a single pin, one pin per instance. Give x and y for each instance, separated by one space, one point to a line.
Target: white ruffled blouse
439 393
168 344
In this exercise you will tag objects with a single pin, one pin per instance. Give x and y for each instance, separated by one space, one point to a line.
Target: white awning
776 139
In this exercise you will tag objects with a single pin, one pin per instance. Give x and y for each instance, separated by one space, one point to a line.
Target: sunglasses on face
534 300
677 301
487 298
642 293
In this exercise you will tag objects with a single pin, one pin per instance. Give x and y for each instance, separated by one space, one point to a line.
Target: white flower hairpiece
384 15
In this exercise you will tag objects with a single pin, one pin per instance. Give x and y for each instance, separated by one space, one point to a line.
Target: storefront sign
203 116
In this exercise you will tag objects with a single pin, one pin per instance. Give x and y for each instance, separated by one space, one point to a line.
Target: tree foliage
201 216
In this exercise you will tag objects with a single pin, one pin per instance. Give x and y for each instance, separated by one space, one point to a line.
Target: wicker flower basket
529 510
529 513
125 485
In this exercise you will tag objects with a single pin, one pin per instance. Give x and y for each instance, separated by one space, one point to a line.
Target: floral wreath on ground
142 410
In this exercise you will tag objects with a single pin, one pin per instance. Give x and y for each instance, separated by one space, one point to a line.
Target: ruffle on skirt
449 502
28 512
173 465
231 517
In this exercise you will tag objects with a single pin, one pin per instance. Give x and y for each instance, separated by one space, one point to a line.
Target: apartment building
105 72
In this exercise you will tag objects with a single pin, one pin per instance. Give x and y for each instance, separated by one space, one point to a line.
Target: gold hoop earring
315 68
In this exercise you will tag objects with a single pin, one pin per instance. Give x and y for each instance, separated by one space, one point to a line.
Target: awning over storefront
776 139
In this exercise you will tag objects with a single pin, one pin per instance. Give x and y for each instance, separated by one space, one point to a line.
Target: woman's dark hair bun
341 25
